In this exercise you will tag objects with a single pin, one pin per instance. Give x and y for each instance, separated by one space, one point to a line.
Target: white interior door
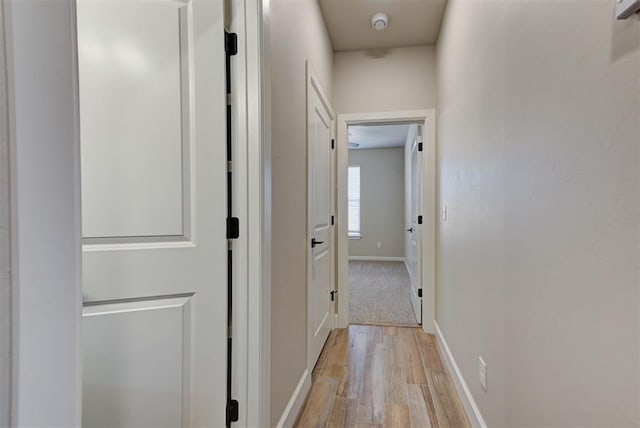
152 104
415 228
321 280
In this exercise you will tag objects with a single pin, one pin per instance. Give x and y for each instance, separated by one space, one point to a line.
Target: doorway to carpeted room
380 293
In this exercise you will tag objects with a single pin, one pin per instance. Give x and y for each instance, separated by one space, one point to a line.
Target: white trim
258 223
428 118
252 204
296 401
5 242
45 174
470 406
377 259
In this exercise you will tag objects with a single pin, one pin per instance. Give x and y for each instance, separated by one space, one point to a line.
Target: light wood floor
369 376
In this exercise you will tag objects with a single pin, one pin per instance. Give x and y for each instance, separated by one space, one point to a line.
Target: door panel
140 141
152 104
415 236
321 280
126 345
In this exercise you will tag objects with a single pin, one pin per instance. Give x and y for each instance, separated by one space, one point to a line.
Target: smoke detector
379 21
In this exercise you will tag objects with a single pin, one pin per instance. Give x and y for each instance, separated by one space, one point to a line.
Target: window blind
353 183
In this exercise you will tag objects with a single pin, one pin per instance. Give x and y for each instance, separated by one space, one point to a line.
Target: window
354 201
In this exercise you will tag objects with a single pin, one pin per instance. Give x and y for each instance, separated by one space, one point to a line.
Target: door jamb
429 201
251 104
5 241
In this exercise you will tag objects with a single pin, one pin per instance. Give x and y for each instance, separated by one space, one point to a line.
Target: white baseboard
376 259
296 402
470 406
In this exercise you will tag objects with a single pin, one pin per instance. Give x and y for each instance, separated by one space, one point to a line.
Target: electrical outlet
483 373
444 212
378 245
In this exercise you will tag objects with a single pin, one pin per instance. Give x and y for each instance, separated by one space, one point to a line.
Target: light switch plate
483 373
444 212
626 8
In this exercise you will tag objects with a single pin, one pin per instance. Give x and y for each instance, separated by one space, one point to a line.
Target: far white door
415 228
152 104
320 281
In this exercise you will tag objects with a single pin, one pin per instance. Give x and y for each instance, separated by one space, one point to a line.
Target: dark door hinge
420 292
333 220
333 295
333 144
419 147
233 228
233 411
230 43
419 219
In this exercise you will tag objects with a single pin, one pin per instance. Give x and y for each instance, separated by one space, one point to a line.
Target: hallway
381 376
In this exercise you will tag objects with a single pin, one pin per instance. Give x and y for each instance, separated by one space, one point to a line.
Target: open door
153 130
320 265
414 231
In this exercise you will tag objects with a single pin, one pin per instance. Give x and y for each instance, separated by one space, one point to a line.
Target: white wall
539 166
381 202
384 80
297 34
45 213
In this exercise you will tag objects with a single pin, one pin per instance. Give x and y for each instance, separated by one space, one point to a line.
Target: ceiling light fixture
379 21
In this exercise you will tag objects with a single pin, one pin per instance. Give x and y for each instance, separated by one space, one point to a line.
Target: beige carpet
379 293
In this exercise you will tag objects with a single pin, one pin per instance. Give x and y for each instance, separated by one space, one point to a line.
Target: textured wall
538 135
381 202
385 80
297 34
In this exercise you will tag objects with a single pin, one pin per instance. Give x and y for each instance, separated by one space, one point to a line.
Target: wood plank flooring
371 376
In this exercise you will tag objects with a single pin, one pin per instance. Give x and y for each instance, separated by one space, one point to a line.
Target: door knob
314 242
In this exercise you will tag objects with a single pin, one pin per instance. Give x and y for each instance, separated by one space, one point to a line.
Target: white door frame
429 207
252 168
5 241
39 39
313 84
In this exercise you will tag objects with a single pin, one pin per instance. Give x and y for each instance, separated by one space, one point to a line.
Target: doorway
381 194
156 257
367 262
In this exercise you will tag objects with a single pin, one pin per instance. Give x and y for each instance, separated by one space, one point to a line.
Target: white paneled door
321 277
415 228
152 108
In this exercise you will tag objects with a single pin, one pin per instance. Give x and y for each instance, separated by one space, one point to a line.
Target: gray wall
385 80
297 34
538 139
382 202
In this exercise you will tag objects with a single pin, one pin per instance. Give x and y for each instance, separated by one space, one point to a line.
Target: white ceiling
378 136
411 23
